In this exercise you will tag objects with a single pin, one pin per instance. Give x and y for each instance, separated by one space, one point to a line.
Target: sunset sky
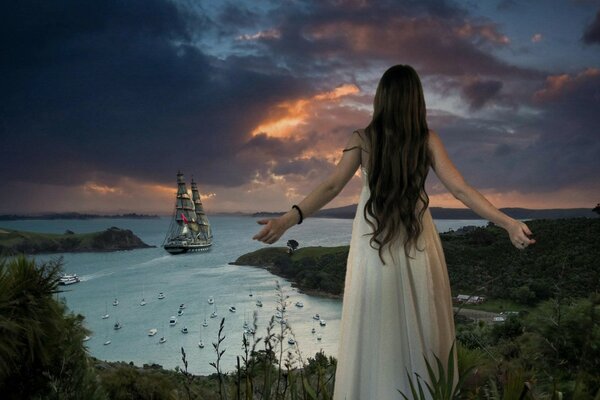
102 102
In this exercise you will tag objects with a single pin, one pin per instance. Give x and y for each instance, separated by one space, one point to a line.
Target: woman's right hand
518 232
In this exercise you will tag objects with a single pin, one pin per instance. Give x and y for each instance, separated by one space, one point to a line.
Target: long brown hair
399 159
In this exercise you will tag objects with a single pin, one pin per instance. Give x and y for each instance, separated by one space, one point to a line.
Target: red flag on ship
185 221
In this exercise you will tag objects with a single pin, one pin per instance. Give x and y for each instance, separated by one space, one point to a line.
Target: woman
397 309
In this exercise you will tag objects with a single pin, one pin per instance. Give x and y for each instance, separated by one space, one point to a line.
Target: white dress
393 314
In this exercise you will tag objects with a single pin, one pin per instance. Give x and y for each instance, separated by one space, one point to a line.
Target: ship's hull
181 249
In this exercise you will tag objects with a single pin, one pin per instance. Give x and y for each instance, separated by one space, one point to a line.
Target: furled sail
200 214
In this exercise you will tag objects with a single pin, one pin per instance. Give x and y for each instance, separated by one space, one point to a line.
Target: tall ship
189 229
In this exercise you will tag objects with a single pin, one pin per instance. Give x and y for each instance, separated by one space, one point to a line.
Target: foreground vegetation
548 352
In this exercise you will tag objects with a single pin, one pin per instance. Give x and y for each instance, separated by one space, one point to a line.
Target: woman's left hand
273 230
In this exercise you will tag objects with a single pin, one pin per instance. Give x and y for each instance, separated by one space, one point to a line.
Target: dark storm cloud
591 35
437 37
560 148
112 88
480 92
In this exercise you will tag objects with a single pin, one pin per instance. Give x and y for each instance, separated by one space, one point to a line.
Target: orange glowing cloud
289 115
557 84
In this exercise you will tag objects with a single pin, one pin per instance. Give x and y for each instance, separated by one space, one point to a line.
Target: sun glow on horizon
288 115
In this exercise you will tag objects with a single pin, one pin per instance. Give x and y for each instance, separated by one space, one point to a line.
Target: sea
190 279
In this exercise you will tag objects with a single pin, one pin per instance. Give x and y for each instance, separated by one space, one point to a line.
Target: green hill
480 261
113 239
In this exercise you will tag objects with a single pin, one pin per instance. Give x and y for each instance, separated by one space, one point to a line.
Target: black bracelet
299 212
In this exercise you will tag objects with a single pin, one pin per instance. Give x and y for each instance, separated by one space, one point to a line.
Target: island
14 242
481 261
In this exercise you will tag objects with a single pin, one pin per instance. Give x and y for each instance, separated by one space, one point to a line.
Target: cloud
591 34
536 38
479 92
101 92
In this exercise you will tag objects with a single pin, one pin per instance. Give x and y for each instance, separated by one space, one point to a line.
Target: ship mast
184 205
200 214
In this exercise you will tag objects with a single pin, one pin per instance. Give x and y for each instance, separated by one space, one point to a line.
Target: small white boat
299 304
68 279
161 296
283 321
152 332
213 314
184 330
162 340
107 342
105 316
232 309
317 317
181 306
291 341
201 344
173 321
180 312
313 330
250 293
211 300
259 303
117 326
115 302
319 336
86 338
322 322
143 302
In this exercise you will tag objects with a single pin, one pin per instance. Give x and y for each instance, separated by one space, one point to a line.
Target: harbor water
191 279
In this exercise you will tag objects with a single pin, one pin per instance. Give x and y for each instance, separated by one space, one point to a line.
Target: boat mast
200 213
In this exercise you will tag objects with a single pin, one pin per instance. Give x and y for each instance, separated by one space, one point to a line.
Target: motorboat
184 330
205 324
68 279
105 316
107 342
86 338
201 344
115 302
173 321
313 330
152 332
213 314
161 296
117 326
317 317
299 304
162 340
291 341
181 306
322 322
319 336
179 312
259 303
211 300
232 309
143 302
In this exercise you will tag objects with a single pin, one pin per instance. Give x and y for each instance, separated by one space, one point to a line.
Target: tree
292 246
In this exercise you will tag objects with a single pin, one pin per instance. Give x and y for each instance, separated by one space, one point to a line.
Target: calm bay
190 279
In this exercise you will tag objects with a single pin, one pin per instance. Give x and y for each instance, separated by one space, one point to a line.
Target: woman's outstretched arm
469 196
326 191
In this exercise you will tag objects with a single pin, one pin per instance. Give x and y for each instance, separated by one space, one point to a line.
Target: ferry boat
69 279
